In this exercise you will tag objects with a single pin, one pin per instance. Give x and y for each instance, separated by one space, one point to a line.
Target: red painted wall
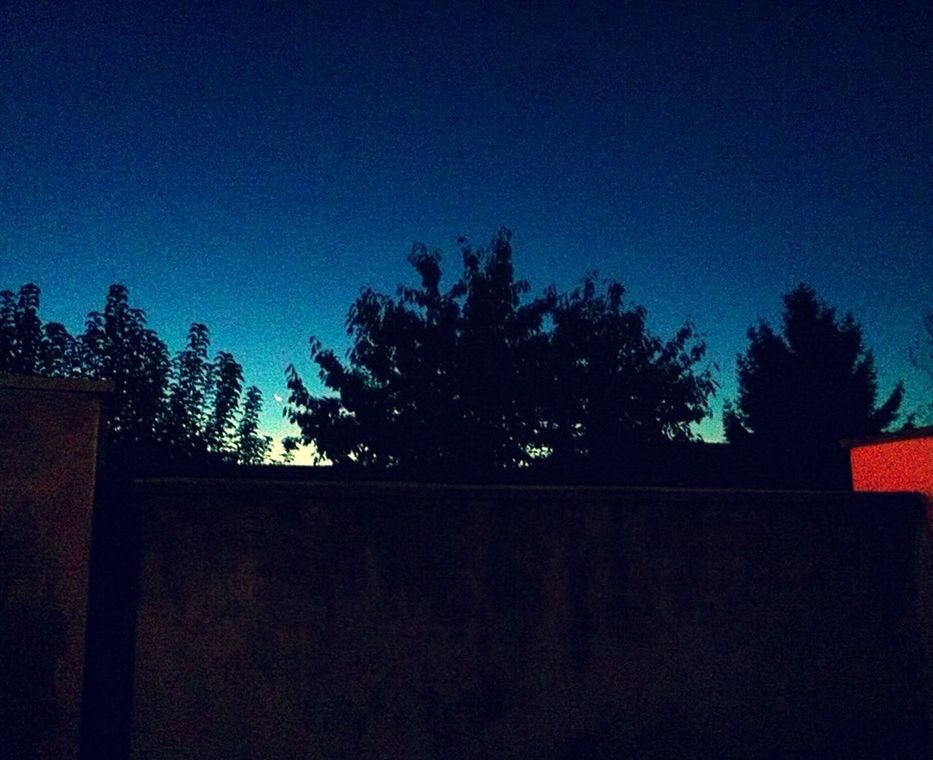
897 465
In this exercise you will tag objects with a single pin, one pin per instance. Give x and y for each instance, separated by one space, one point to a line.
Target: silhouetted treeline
473 382
479 381
165 411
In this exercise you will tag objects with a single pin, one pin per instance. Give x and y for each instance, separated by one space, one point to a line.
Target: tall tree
226 385
803 391
161 411
118 346
28 331
21 331
188 415
27 347
251 446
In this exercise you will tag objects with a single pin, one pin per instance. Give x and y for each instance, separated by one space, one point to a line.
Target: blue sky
252 166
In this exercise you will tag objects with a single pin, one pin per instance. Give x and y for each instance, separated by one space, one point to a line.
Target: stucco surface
48 449
329 620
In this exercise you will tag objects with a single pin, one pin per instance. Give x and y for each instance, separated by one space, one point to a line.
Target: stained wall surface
329 620
48 444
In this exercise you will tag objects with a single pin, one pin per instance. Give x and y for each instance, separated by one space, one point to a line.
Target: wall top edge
56 384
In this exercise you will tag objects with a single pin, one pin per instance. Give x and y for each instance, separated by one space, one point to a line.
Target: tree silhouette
20 331
161 411
617 387
59 354
251 446
226 385
802 392
7 331
118 346
203 399
27 347
187 416
433 376
471 381
28 331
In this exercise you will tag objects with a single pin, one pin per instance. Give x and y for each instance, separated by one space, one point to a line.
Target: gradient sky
252 167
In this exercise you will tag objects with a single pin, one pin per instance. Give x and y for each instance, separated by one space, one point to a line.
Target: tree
472 381
28 331
187 414
802 392
227 384
117 346
618 388
161 411
7 331
20 331
27 347
58 354
251 446
432 378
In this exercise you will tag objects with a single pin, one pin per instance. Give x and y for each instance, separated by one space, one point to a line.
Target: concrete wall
323 620
48 445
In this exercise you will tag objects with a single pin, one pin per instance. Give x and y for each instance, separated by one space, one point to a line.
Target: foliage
432 375
118 346
191 376
26 346
616 386
227 384
251 446
161 411
471 380
59 355
802 392
21 331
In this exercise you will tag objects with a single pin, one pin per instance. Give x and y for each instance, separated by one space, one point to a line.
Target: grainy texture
48 449
327 620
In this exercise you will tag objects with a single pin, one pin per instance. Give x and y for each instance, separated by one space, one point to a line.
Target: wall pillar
49 431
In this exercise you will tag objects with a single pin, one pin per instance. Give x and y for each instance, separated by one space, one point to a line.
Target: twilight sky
252 167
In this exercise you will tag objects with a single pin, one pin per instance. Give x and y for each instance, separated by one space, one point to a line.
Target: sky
253 165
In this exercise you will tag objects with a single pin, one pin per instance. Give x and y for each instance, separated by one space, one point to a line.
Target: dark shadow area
684 464
111 621
379 619
32 640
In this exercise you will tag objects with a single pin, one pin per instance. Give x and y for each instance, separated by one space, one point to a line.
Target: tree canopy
617 387
162 411
803 391
475 379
